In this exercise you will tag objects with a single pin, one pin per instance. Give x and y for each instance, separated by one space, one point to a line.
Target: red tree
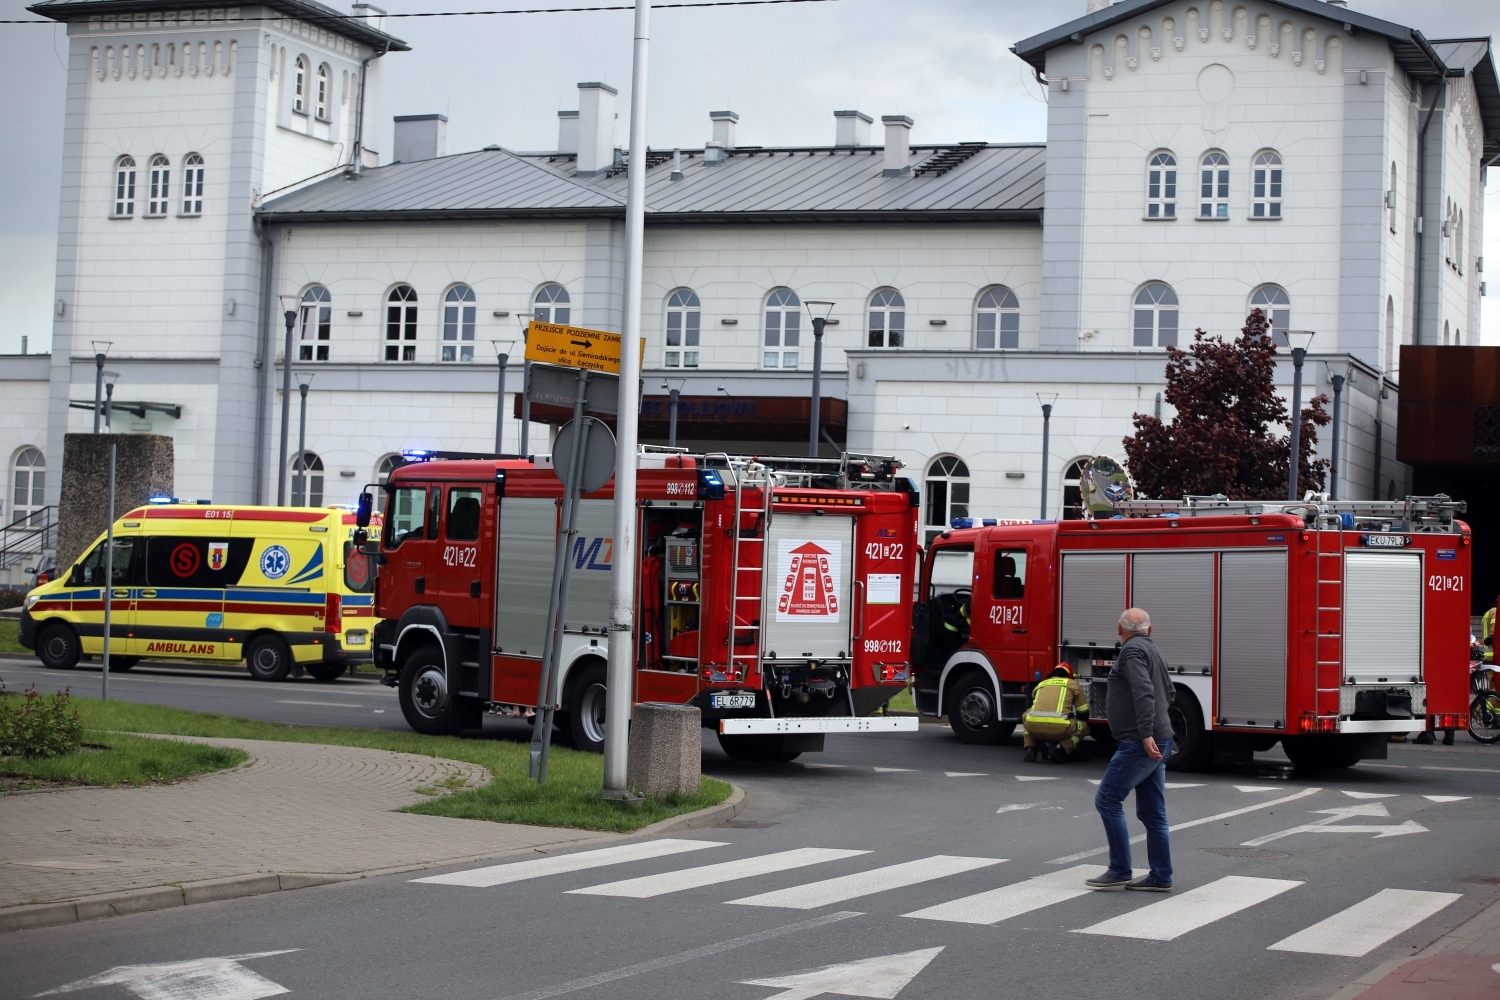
1220 440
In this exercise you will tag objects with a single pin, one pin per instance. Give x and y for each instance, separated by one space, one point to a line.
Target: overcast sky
784 68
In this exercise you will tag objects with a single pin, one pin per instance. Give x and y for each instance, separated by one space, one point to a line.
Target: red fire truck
1325 626
774 594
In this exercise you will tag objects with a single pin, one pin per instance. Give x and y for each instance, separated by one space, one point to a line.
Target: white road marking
1194 822
1368 924
821 766
318 704
682 957
200 979
1177 915
1013 900
882 977
1100 781
836 890
1018 807
1033 777
967 774
1183 784
519 871
1447 798
1371 795
1346 812
648 886
1472 770
895 770
1257 788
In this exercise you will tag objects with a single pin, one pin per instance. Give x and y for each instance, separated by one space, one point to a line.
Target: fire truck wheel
1192 746
58 648
586 710
326 671
972 710
424 691
756 748
268 658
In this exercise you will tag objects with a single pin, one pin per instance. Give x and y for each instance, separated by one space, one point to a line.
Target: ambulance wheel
58 648
423 689
586 710
268 658
1192 745
122 662
326 671
973 710
756 748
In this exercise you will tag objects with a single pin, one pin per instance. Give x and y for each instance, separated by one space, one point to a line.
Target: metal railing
1434 514
29 536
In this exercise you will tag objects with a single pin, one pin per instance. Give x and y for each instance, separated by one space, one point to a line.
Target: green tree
1221 439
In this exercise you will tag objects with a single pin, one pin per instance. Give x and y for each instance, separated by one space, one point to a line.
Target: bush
11 598
40 727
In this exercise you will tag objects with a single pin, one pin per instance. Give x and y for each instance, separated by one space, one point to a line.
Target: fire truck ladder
745 626
1328 669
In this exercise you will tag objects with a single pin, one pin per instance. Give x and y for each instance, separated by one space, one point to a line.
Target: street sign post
574 347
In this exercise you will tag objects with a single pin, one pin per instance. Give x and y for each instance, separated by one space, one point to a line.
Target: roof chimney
596 128
897 145
851 128
420 137
724 127
567 131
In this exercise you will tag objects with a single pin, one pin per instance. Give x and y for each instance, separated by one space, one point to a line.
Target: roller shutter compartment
1093 595
1382 616
1177 590
1252 639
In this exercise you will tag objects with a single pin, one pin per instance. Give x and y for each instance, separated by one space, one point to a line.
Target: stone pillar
666 748
143 468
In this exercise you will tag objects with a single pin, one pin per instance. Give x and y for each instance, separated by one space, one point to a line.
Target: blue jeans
1130 768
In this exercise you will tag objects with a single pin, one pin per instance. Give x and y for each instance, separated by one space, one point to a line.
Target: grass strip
118 759
10 638
567 799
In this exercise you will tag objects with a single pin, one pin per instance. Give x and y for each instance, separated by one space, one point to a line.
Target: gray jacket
1139 692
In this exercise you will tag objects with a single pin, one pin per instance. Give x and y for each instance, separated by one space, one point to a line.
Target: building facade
1202 159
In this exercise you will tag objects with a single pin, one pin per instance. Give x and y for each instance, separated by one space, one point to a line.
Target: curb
167 896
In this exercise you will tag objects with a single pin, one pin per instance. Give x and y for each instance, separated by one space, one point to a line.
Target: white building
1202 158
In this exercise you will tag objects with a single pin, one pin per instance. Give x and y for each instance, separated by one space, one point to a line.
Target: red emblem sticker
185 560
809 572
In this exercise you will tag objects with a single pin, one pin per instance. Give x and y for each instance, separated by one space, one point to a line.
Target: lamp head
1300 340
1046 398
101 349
819 308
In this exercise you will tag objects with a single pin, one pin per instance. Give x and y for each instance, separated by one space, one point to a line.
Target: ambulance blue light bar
159 499
416 454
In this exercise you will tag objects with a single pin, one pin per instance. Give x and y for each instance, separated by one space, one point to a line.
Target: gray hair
1135 621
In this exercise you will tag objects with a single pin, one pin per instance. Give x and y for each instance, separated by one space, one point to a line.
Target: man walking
1136 701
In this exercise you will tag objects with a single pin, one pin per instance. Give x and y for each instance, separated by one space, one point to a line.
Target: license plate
732 700
354 639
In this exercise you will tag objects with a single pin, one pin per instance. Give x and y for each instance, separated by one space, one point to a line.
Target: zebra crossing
1352 932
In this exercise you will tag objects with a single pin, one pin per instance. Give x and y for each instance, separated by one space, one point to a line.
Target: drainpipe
265 314
1416 310
357 162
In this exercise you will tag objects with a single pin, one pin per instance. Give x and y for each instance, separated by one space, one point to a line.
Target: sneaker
1030 756
1057 755
1425 739
1149 883
1109 880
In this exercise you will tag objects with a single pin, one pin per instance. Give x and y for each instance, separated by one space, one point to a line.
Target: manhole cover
747 824
1243 852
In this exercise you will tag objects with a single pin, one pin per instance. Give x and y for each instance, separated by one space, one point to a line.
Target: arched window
1266 186
783 328
322 94
998 320
401 324
551 305
1161 186
161 183
683 318
947 490
458 324
1072 492
1213 189
317 324
1277 305
385 467
124 187
1156 316
299 87
192 185
1445 333
29 483
887 319
307 480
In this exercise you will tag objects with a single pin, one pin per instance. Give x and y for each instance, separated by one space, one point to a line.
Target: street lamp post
525 321
1300 341
301 488
1046 399
818 309
1333 468
673 396
99 354
286 396
502 359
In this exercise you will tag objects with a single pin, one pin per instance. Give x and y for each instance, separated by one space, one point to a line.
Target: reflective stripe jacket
1057 700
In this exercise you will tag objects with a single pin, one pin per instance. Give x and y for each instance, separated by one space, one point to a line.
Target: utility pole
622 579
301 487
286 406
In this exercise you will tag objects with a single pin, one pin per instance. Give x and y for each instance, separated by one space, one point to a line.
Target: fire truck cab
774 594
1325 626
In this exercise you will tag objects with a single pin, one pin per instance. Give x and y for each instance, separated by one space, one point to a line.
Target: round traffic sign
598 455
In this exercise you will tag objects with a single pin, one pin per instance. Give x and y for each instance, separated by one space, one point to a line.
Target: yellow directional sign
575 347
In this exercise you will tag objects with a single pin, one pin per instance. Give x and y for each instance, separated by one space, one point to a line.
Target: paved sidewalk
295 809
1463 964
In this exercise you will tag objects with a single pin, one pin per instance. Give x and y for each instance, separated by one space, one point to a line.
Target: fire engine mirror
598 455
362 512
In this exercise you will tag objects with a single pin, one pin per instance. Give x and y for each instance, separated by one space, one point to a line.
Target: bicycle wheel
1484 718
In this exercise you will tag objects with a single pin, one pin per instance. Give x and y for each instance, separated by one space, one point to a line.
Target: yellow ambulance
281 588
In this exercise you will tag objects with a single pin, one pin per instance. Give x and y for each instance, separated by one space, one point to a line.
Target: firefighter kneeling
1059 715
